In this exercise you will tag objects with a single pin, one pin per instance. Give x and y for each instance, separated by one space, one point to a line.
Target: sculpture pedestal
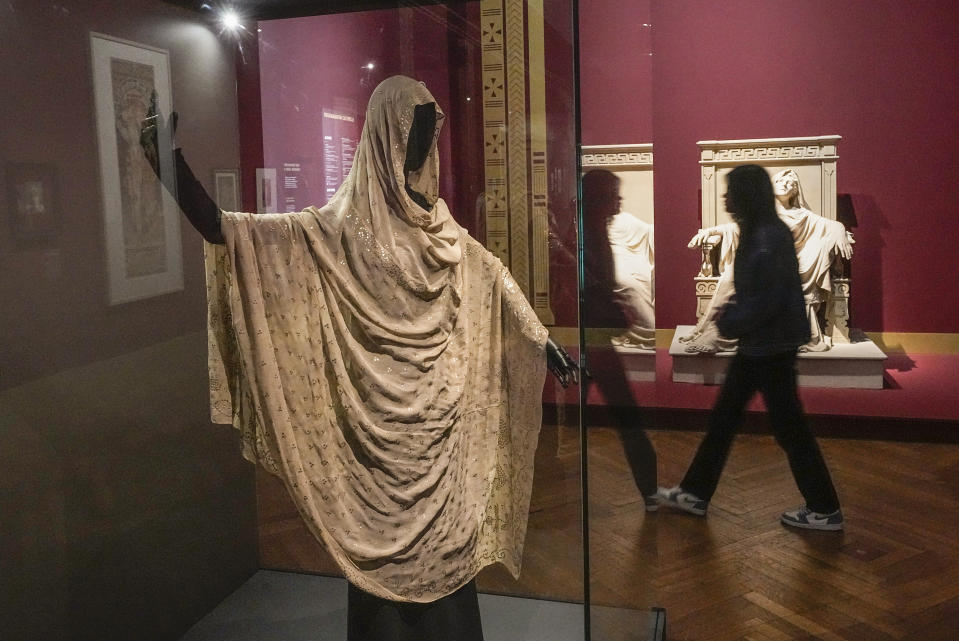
850 365
705 290
638 364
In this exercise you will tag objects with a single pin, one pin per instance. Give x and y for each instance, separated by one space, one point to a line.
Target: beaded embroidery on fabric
385 366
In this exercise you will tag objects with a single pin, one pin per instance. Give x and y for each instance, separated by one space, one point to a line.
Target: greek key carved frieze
768 153
600 160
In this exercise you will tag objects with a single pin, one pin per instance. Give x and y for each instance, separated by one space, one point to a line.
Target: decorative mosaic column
517 224
537 141
494 129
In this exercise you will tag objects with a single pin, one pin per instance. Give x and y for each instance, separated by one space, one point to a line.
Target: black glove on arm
560 363
196 203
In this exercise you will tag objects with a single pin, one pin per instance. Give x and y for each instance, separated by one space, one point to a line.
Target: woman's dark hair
750 187
600 201
600 190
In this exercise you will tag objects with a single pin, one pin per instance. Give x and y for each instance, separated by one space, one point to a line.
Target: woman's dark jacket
768 313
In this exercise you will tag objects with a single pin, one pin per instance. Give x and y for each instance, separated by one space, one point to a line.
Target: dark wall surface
125 514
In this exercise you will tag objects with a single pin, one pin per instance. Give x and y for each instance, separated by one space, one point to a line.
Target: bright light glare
230 20
370 66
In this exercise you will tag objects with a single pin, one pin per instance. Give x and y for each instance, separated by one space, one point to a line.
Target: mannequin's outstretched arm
190 194
196 203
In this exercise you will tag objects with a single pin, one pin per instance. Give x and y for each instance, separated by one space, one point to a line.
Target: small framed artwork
33 201
266 197
225 189
141 220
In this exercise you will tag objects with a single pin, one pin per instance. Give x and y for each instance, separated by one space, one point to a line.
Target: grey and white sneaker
651 502
808 520
680 499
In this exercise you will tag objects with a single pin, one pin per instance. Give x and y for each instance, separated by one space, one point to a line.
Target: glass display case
127 514
587 170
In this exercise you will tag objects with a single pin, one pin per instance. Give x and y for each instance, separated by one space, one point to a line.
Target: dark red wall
306 64
880 74
615 74
879 77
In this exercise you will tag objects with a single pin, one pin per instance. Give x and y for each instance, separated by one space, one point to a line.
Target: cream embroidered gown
385 366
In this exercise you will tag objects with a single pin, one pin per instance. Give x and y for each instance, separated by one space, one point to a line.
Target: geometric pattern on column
517 148
494 129
515 162
537 139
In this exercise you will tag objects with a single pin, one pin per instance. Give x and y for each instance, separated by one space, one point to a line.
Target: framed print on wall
33 202
225 189
140 218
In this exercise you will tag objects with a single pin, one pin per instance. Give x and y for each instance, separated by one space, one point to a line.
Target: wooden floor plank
736 574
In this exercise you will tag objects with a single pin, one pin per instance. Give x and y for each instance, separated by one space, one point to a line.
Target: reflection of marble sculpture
631 241
819 243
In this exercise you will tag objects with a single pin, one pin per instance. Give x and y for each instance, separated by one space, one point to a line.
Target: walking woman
768 316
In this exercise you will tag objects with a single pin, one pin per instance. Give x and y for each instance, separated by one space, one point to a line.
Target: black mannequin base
452 618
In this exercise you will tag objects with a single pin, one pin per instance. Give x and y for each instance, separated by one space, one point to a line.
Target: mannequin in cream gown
386 367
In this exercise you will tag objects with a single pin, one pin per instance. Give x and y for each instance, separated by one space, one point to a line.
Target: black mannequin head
420 140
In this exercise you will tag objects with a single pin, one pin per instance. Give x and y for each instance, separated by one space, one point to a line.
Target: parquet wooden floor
737 574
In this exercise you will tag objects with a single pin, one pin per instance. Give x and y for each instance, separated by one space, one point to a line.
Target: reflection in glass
605 306
631 241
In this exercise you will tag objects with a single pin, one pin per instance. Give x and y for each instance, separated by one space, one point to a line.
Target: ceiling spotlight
230 20
370 66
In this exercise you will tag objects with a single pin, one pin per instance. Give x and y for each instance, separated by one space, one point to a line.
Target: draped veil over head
384 365
818 242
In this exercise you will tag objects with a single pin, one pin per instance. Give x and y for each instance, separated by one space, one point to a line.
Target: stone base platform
638 364
854 365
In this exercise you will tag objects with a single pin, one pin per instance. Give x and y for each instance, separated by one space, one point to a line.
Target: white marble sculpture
630 234
820 245
631 242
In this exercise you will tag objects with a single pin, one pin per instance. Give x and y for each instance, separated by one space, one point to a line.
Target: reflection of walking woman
768 317
604 307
